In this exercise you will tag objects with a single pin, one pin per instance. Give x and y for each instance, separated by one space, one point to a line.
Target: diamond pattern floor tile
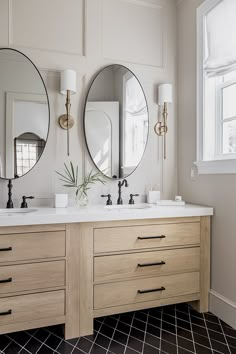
175 329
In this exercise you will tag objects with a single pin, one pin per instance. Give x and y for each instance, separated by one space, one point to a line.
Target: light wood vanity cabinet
140 264
70 274
32 276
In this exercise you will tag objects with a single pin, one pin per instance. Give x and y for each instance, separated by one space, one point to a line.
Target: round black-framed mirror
116 121
24 114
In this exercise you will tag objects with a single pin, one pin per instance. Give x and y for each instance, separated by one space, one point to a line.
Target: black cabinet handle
151 237
9 280
5 249
151 290
9 312
151 264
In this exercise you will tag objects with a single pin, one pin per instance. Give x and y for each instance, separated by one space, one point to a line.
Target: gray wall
218 191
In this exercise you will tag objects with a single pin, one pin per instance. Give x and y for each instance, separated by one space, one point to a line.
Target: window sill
216 167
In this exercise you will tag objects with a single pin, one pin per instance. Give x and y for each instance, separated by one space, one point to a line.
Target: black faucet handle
109 201
131 201
24 204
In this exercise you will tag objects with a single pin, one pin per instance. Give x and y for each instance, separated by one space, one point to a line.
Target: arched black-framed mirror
24 114
116 121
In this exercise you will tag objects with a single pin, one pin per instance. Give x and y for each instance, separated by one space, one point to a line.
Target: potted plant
70 180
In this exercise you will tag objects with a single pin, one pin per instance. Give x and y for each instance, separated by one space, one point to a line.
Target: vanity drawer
113 239
35 245
26 308
141 290
108 268
33 276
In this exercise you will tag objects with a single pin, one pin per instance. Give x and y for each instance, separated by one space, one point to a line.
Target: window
216 138
135 124
28 149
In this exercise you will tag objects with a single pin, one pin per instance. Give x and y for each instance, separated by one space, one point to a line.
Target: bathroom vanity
69 266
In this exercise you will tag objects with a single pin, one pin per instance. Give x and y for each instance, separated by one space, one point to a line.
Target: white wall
218 191
86 35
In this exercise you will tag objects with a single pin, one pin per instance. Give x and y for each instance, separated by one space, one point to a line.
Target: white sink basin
16 211
127 207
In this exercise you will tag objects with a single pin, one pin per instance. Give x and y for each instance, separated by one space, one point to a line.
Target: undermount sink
16 211
128 207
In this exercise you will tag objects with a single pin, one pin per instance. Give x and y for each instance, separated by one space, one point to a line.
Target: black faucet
120 185
109 201
24 204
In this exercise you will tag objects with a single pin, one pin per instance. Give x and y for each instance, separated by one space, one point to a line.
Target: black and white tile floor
171 329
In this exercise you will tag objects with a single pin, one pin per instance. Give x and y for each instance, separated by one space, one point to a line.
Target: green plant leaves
70 178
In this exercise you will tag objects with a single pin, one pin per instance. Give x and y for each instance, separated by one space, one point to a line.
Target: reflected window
28 148
135 122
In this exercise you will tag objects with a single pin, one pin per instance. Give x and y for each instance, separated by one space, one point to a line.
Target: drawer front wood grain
114 267
20 247
114 239
32 276
141 290
26 308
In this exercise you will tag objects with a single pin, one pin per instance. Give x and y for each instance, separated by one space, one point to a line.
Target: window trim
220 121
222 164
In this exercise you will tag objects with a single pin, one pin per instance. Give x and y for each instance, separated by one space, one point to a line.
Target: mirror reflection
24 114
116 121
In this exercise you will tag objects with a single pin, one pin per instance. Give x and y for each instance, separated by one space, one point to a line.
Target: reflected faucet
120 185
10 202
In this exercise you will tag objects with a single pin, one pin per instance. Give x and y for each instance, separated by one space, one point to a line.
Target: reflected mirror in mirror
116 121
24 114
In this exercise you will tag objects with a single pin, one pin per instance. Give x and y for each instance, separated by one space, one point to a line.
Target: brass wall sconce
68 88
164 97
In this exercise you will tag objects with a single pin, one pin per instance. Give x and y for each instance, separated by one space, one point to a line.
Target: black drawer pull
151 290
151 264
9 280
5 249
151 237
9 312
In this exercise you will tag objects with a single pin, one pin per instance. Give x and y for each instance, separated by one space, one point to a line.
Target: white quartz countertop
100 213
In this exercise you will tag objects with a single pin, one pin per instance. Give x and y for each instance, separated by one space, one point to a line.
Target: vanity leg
72 325
203 304
86 279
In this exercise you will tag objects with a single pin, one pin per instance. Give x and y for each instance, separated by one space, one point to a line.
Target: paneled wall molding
138 34
108 24
54 61
13 42
143 3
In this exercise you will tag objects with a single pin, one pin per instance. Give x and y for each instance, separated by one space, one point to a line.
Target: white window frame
220 120
223 163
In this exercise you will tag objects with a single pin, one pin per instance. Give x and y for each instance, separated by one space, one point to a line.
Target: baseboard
223 308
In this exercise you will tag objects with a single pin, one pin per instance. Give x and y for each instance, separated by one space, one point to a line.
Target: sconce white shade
68 82
164 94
